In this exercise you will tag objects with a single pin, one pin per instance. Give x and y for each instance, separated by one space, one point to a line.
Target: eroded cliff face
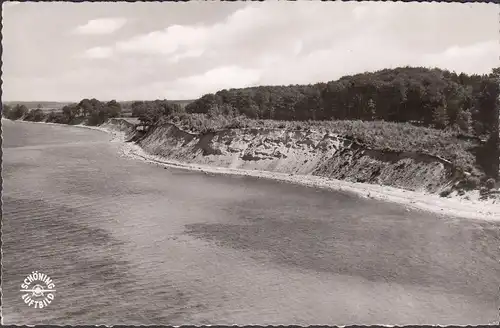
297 152
121 125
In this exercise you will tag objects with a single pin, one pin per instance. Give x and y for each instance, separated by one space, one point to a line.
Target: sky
57 51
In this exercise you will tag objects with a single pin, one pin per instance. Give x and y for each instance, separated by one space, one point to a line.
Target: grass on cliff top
403 137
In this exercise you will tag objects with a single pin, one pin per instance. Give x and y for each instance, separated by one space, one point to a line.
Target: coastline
472 208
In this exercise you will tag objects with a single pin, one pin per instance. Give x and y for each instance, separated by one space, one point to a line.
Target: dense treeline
429 97
94 112
89 111
149 112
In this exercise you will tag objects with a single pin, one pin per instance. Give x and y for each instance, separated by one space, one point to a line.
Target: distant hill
43 104
48 106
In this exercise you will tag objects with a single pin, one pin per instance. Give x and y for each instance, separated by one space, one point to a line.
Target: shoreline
460 207
477 210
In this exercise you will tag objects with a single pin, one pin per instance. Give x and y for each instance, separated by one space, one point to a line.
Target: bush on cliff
490 183
218 118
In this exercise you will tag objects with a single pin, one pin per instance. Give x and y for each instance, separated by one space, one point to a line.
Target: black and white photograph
250 163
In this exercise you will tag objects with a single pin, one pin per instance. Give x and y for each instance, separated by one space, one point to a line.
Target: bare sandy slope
466 206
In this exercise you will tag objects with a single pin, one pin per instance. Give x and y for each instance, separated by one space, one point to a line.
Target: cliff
302 152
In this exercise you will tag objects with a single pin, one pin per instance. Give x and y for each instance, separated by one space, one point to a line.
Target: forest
427 97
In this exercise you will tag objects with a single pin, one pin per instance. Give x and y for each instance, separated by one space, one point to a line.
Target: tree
98 114
152 111
52 117
485 110
372 109
495 72
486 123
440 117
19 111
113 108
70 112
203 104
86 107
35 115
137 108
464 120
6 110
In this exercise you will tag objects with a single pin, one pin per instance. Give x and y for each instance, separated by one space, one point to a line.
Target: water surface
128 242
